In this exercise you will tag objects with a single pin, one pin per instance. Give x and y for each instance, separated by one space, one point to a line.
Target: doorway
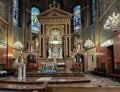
110 59
79 62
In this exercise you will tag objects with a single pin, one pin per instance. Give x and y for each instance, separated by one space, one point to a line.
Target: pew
115 75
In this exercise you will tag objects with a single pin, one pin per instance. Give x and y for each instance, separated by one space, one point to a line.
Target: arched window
15 12
77 18
35 25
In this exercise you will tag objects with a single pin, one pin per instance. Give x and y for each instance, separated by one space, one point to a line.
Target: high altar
54 38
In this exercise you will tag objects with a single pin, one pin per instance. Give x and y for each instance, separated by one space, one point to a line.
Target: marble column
44 48
19 72
66 47
65 28
69 28
24 71
39 46
43 29
69 46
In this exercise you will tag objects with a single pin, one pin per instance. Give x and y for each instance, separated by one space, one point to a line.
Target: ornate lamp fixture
18 45
88 44
112 22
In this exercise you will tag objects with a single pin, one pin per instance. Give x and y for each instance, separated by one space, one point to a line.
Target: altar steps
56 75
53 75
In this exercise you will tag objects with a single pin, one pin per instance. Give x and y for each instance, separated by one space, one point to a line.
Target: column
69 28
69 46
42 44
65 28
44 48
66 47
24 71
39 46
19 72
43 29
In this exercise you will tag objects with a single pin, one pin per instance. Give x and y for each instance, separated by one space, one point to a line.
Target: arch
80 59
79 56
55 27
35 25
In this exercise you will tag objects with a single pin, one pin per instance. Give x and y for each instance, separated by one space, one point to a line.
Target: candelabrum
112 23
88 44
18 45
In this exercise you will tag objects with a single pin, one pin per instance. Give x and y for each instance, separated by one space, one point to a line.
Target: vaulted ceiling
66 5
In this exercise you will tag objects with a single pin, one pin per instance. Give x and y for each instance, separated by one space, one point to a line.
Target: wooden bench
115 77
99 73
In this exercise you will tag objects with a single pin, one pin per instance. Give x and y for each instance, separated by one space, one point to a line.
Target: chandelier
112 22
88 44
18 45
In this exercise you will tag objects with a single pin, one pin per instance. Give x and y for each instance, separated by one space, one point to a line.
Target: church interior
59 45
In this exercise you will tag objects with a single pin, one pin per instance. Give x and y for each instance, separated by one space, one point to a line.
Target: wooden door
109 59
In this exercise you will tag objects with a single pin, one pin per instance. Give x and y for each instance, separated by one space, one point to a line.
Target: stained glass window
93 10
77 18
15 12
35 25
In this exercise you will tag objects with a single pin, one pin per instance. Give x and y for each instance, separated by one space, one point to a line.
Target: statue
60 53
55 53
50 53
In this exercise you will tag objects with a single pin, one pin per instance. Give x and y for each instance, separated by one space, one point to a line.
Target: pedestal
21 70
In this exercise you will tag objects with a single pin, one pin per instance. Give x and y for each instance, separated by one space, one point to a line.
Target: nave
51 36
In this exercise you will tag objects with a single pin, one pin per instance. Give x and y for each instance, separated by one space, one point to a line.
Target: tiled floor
103 81
95 81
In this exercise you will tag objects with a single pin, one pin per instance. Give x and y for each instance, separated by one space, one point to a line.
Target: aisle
102 81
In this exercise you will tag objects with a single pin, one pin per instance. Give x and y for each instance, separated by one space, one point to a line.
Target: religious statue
50 53
60 53
55 53
21 68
